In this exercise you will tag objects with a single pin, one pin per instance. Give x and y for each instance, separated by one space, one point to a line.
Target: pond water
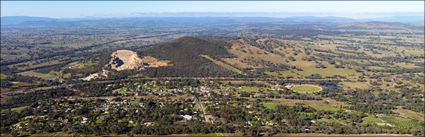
331 86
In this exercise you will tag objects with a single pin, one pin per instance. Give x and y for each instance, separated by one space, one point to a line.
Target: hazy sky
76 9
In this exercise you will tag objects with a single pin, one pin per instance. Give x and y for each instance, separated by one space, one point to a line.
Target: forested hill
185 56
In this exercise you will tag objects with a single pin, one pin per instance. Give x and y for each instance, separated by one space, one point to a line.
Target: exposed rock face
127 60
152 62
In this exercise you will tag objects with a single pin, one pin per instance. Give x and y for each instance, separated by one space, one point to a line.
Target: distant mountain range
10 20
411 20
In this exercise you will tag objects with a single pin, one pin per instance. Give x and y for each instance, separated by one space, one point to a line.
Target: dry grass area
304 64
409 114
38 75
222 64
153 62
284 74
354 85
34 64
329 71
406 65
325 104
282 52
243 50
236 62
81 65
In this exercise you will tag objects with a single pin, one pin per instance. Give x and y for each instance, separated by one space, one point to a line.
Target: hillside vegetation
185 55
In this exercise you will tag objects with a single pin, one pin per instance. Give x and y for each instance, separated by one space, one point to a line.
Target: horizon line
234 14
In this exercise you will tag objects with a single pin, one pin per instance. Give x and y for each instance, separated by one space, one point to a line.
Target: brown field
354 85
37 74
409 114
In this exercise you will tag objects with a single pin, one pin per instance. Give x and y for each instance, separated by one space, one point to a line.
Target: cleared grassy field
326 104
306 89
224 65
236 62
392 121
37 74
269 105
372 120
409 114
246 51
19 109
330 71
401 122
83 66
331 121
283 74
248 89
354 85
304 64
406 65
3 76
23 84
34 64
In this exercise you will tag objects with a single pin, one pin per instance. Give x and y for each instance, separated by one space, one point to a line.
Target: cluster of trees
22 99
7 81
378 102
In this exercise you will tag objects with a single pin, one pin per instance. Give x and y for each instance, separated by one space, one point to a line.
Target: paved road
201 107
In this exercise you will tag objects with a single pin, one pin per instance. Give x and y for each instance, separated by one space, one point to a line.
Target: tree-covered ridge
185 56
